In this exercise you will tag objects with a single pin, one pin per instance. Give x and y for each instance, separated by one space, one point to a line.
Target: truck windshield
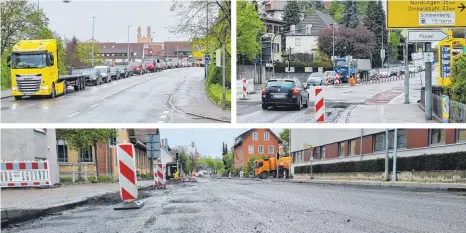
259 164
341 63
21 61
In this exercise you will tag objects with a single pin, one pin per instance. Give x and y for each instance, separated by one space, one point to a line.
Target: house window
352 147
401 138
271 150
255 136
266 136
250 149
260 150
308 29
460 135
269 28
113 141
276 29
437 136
297 41
322 152
86 155
62 151
341 149
378 142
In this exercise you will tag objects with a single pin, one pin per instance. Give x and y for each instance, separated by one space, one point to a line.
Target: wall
28 144
308 44
248 140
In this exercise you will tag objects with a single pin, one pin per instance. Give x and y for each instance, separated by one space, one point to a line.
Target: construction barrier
159 177
245 88
319 104
127 172
25 173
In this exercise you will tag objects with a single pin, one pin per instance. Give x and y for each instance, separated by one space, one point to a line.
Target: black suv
285 92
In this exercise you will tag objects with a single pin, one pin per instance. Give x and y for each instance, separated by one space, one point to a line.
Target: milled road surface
264 206
138 99
367 103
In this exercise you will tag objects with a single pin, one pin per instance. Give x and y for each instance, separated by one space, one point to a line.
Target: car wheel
265 106
306 104
18 97
299 106
53 95
264 175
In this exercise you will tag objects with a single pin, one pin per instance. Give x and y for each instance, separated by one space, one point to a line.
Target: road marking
381 109
27 105
94 105
76 113
161 122
163 116
166 112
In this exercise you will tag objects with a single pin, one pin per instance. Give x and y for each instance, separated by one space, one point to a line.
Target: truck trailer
270 167
34 70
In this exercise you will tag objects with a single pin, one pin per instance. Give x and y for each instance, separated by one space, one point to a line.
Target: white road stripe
381 109
76 113
94 105
166 112
27 105
163 116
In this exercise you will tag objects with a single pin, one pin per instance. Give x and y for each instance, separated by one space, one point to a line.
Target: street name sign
426 35
426 14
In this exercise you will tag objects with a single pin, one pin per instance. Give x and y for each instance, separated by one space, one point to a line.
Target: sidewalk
191 91
6 93
23 204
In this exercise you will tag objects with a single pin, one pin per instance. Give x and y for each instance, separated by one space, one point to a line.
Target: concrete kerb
14 216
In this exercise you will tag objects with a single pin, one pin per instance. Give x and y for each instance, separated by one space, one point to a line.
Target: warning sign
426 14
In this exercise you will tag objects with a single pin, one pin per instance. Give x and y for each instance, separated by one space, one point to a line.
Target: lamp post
93 22
271 52
333 44
128 43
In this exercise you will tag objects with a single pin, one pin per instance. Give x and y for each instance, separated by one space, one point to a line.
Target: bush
450 161
66 180
105 179
80 179
5 72
214 92
457 89
92 179
146 176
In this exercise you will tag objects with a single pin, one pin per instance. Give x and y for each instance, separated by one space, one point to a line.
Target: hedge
449 161
215 94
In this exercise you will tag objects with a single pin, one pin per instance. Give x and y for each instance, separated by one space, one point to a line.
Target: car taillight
264 91
295 91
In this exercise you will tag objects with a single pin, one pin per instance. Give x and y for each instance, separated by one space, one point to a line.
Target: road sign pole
428 89
224 100
406 72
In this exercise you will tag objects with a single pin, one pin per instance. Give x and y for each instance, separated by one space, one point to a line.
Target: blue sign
207 58
445 61
255 61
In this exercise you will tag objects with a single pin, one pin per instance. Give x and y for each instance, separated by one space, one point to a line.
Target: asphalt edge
15 216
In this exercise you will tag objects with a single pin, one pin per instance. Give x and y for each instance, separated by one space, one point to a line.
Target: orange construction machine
273 167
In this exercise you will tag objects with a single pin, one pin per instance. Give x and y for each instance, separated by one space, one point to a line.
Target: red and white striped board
319 104
245 88
24 173
127 172
159 177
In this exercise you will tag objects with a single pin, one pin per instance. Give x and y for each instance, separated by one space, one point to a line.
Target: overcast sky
208 141
113 18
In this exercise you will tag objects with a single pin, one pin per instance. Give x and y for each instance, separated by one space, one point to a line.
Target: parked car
105 72
115 73
137 69
316 79
150 67
95 76
285 92
159 67
124 70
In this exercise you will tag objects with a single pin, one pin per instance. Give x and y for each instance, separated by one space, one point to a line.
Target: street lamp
128 43
271 52
333 44
93 22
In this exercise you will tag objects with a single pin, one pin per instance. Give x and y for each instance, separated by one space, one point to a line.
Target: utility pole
93 22
224 101
407 74
207 46
386 154
395 148
428 89
128 46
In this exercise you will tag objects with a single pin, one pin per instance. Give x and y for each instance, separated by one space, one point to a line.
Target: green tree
229 163
46 33
84 51
457 89
285 137
336 11
71 52
80 139
291 16
375 22
248 31
350 14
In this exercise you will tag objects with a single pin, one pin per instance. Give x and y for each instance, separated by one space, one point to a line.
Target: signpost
153 148
427 35
426 14
308 69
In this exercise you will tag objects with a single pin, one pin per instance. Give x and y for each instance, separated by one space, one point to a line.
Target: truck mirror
8 60
51 60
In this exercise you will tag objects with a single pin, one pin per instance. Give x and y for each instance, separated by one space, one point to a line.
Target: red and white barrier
25 173
245 88
319 104
127 172
159 177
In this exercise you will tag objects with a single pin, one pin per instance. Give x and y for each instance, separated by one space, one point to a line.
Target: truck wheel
76 85
53 95
18 97
64 89
265 106
264 175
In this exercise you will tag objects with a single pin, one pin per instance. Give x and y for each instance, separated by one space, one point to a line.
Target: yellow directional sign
426 14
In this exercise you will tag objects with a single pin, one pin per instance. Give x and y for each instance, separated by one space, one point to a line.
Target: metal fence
75 171
457 110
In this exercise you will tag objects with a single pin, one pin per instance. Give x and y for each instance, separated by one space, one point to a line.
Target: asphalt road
345 104
148 98
265 206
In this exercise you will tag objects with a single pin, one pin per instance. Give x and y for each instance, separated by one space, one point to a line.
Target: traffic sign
153 146
428 57
255 61
427 35
207 58
426 14
382 53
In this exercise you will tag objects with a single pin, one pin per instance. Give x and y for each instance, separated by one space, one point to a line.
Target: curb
14 216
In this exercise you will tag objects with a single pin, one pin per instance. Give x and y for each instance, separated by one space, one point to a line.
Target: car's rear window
281 83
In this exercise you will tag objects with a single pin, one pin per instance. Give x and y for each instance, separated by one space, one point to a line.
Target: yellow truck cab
34 70
270 167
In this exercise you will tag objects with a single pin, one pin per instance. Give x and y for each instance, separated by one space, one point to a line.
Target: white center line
381 108
27 105
94 105
161 122
76 113
163 116
166 112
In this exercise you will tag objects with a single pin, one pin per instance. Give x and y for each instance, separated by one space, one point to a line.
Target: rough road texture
264 206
